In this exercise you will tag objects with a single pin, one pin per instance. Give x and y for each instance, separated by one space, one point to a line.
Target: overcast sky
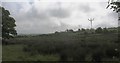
48 16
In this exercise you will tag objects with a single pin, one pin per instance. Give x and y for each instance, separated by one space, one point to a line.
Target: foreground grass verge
15 53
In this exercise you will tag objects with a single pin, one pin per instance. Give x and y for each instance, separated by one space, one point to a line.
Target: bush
105 30
99 30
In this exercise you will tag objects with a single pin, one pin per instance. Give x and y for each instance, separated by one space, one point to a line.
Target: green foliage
79 29
69 30
115 6
16 53
82 29
105 30
8 24
99 30
67 46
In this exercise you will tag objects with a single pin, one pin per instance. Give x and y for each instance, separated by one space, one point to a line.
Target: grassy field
15 53
70 46
0 52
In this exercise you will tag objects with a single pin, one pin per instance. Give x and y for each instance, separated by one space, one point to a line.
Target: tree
82 29
69 30
105 30
79 30
56 32
8 25
0 22
114 5
98 30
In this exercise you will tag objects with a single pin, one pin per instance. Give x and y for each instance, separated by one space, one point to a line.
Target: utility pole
91 20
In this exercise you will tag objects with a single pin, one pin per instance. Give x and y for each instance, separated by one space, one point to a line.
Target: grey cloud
42 27
119 19
40 22
60 13
102 25
84 7
33 15
63 26
35 21
12 5
105 24
113 15
35 27
119 14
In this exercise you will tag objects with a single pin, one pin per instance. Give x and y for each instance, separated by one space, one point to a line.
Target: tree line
97 30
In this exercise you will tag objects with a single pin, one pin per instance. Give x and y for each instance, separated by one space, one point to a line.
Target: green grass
15 53
70 44
0 52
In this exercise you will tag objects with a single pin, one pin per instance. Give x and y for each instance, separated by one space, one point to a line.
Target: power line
91 20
